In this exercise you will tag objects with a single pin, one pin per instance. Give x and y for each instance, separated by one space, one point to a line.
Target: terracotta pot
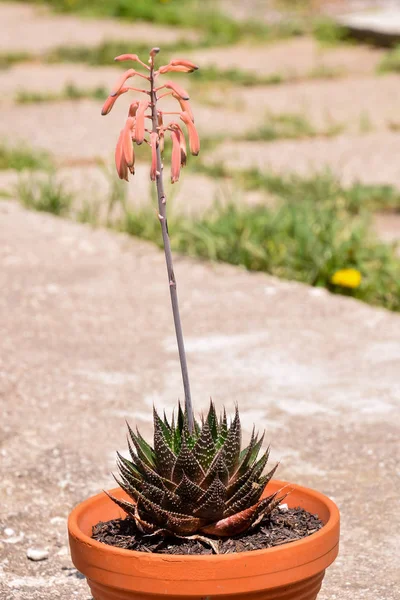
289 572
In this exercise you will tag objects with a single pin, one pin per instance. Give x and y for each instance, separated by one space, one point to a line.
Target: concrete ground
86 334
87 340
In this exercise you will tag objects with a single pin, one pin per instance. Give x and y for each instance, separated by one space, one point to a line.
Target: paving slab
381 25
367 158
53 78
297 57
86 135
329 103
33 29
86 340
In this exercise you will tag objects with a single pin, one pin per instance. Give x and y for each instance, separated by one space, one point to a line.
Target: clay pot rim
313 539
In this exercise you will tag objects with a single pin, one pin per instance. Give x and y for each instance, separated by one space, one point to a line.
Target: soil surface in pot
281 527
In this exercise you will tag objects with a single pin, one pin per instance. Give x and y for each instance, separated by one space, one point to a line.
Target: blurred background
297 105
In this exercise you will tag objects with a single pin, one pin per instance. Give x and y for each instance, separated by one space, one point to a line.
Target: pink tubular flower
109 103
178 65
182 141
133 109
134 57
140 117
170 85
121 80
127 144
175 156
153 143
194 141
122 57
185 106
120 162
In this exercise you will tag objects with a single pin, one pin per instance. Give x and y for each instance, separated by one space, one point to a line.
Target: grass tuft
315 229
44 195
288 126
8 59
70 92
217 27
390 63
329 32
22 157
298 241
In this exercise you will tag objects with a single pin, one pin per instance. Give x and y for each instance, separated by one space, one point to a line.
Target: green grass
316 228
7 59
22 157
328 32
236 76
70 92
390 63
44 195
317 188
302 242
104 53
217 28
288 126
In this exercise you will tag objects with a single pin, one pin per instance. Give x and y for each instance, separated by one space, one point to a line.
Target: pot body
292 571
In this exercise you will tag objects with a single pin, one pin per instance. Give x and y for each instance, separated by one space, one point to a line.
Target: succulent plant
195 483
195 479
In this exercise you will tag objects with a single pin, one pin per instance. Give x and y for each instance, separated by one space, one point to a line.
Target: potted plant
195 507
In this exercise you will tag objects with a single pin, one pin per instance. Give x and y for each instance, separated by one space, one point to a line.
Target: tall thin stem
162 211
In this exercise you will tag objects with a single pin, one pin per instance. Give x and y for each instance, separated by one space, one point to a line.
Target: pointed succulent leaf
144 450
255 451
216 469
266 506
265 479
164 455
239 522
161 427
204 449
232 444
128 507
197 427
245 454
154 477
173 521
236 484
186 463
182 524
247 496
188 490
212 421
222 430
212 502
166 423
260 464
172 502
128 489
152 492
129 466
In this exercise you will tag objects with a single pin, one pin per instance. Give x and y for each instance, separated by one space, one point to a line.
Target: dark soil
281 527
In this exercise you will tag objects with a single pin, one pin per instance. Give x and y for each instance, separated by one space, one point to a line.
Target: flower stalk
162 215
136 131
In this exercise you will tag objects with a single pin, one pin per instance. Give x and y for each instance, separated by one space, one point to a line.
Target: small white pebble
8 531
37 554
14 539
283 507
317 292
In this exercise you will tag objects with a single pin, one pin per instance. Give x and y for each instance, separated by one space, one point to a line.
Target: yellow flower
350 278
